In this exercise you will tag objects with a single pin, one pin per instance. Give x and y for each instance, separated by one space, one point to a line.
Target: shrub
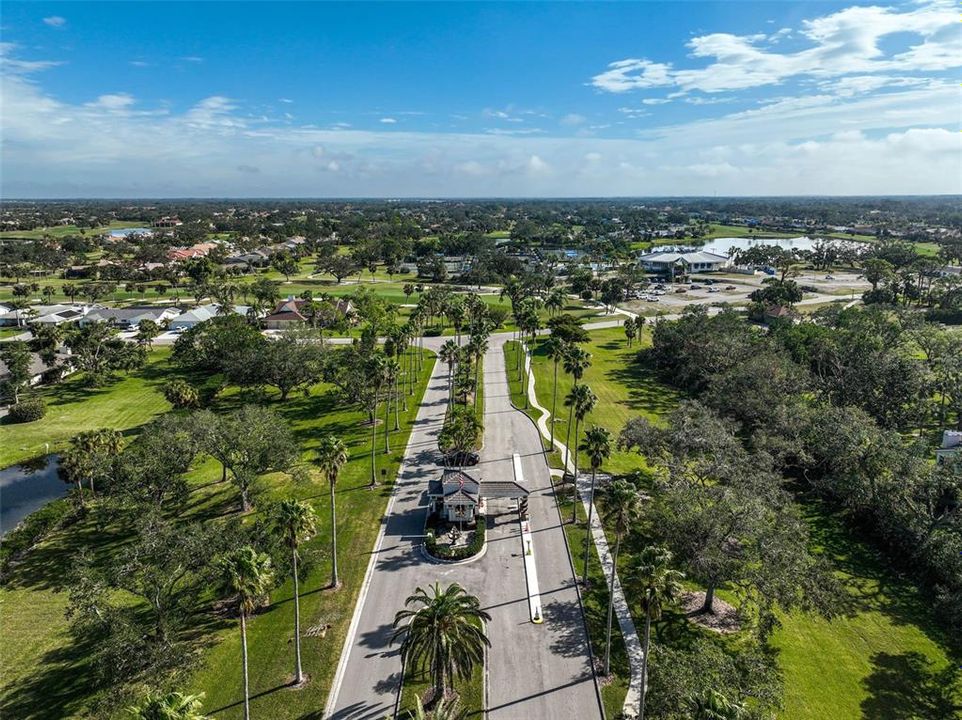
181 394
949 316
28 410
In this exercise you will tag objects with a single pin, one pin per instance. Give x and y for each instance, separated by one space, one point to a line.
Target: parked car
681 290
713 290
730 287
696 287
652 299
829 277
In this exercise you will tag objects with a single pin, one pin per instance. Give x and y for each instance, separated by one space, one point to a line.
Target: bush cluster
462 553
27 410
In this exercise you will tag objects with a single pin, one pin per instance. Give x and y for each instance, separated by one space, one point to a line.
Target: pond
26 488
124 232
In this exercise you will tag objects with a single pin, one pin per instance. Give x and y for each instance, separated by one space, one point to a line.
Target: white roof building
692 261
199 314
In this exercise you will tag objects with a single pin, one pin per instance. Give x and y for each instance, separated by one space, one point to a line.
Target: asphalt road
537 672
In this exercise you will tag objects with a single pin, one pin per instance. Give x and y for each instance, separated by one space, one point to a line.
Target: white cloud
139 63
285 100
192 59
899 141
55 21
841 43
388 121
573 119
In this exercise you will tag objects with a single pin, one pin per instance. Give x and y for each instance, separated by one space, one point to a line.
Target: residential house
289 312
127 318
951 445
202 313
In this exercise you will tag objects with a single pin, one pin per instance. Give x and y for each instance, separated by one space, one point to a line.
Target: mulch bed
724 619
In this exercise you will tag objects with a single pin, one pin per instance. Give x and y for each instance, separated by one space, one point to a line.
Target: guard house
458 497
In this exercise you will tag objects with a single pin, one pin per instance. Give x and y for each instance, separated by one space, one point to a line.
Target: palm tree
598 446
712 705
555 302
172 706
246 576
575 362
331 457
449 353
443 710
581 401
294 521
658 585
631 329
556 349
479 346
442 634
622 504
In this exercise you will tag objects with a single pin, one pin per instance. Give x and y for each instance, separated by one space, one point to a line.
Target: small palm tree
295 521
442 711
622 504
581 401
653 579
450 353
331 457
172 706
598 446
556 349
631 329
712 705
441 633
246 577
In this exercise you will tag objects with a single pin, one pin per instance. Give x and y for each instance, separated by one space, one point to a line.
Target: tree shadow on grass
907 686
646 391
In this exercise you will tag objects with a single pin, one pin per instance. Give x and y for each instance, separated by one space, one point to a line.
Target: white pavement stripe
527 549
625 622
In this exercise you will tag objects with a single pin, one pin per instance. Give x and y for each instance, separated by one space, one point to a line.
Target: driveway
541 672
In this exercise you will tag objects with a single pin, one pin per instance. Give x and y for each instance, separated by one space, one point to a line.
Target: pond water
28 487
724 246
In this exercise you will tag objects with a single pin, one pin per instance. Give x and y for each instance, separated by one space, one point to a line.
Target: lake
124 232
28 487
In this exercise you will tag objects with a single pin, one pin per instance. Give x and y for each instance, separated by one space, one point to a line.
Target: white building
682 263
199 314
951 445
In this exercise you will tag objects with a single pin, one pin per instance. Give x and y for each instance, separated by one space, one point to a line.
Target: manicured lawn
58 231
43 676
625 386
73 407
884 651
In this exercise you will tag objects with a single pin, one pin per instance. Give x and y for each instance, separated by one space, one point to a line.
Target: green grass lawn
43 675
73 407
59 231
626 387
884 651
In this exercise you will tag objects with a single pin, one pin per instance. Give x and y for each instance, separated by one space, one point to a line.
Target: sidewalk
625 622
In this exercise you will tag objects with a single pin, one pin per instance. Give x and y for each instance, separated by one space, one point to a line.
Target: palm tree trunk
80 493
247 695
527 371
554 403
591 507
298 670
477 380
373 443
568 438
397 410
611 603
334 579
574 510
644 666
387 415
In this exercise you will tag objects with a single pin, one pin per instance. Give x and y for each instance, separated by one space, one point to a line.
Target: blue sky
479 99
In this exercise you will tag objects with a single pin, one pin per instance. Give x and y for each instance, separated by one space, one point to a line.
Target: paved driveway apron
536 672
